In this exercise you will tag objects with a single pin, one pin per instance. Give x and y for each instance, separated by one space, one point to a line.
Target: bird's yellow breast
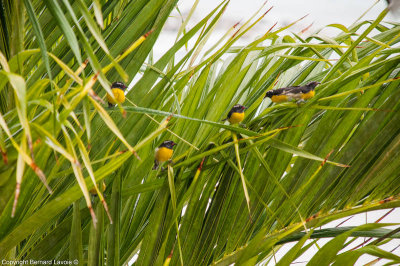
279 98
118 95
102 188
163 154
308 95
236 118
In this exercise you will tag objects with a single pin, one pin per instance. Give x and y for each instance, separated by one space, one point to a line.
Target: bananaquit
102 188
163 153
298 93
236 114
118 89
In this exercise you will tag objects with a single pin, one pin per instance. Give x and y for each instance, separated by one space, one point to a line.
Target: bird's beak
174 144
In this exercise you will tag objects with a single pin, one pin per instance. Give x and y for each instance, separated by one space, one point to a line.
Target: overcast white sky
320 13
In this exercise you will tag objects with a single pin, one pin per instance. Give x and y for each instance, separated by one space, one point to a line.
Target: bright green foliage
57 136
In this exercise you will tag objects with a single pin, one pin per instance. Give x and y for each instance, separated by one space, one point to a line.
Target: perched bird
118 89
236 114
163 153
298 93
102 188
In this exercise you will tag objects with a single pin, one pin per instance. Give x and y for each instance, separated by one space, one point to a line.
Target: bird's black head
237 108
269 94
313 84
168 144
118 85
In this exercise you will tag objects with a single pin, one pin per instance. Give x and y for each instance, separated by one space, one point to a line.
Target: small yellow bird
163 153
298 93
236 114
102 189
118 89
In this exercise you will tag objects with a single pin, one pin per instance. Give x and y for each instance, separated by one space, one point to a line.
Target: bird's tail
156 164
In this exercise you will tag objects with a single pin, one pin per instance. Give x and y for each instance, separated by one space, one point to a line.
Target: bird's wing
289 90
280 91
230 113
298 89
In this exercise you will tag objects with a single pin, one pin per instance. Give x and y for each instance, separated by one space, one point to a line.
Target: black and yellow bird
297 93
102 188
163 153
236 114
118 89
